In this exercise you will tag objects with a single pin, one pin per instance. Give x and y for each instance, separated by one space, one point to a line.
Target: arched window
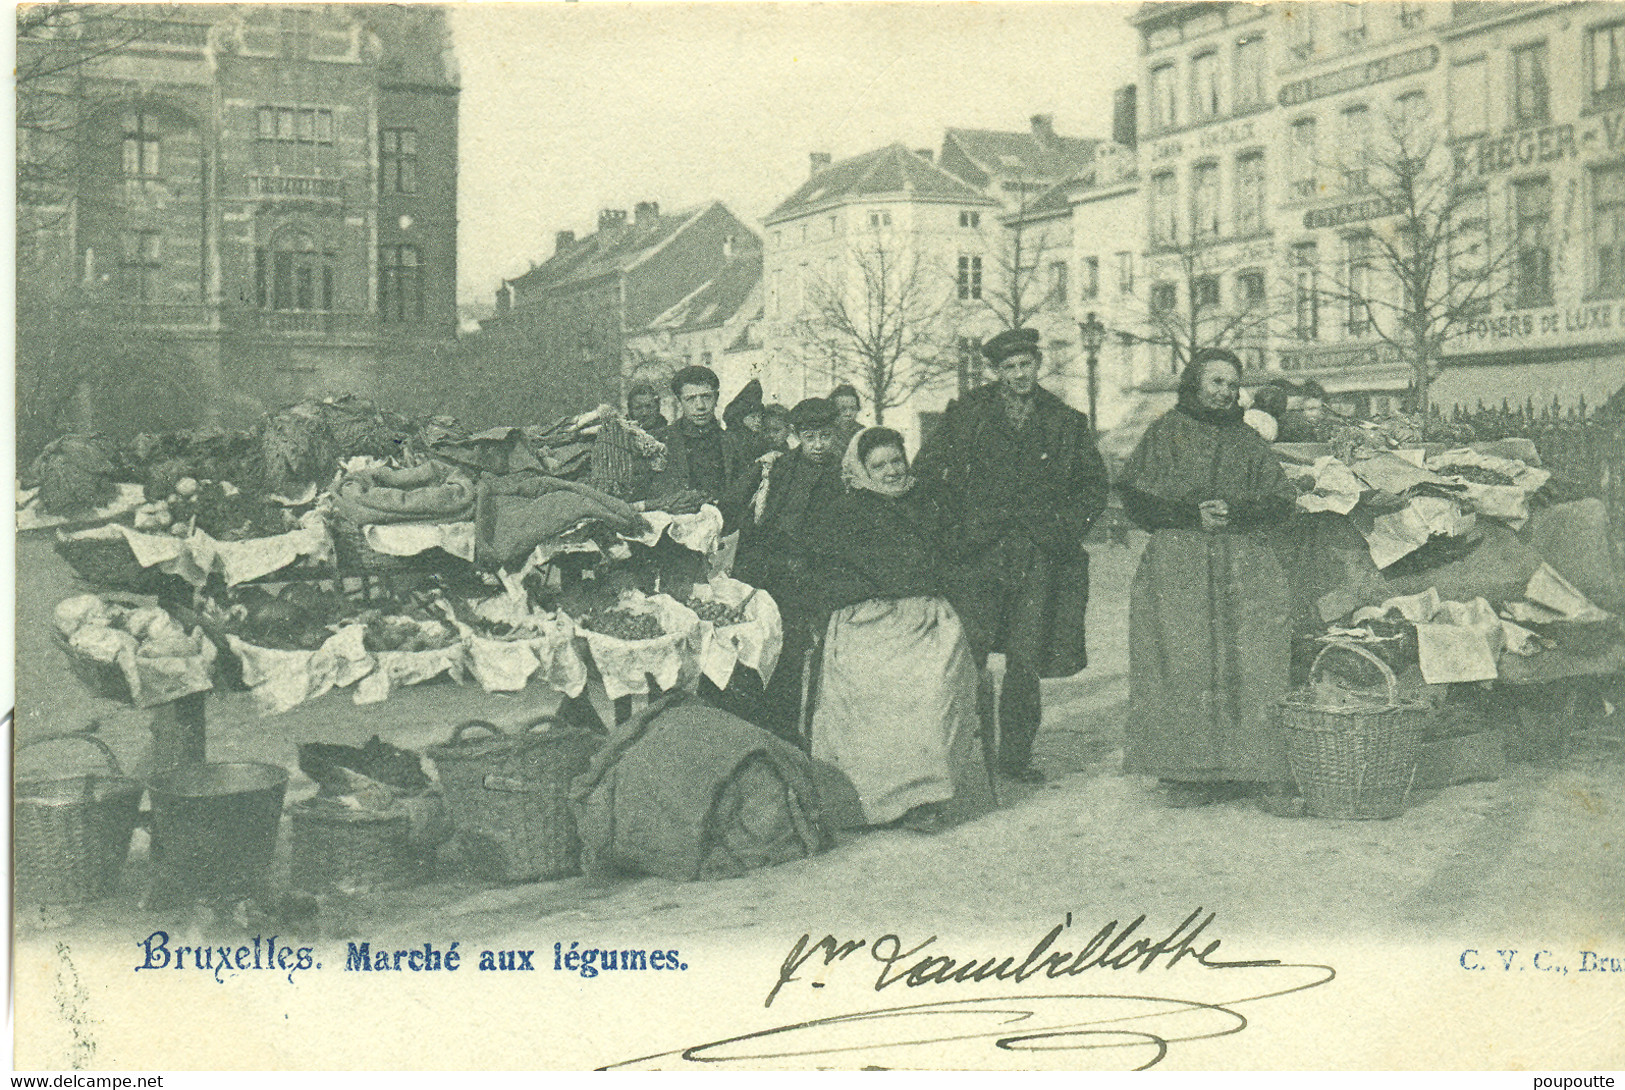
293 273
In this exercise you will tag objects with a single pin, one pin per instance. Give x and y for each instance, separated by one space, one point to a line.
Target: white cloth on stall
754 643
412 538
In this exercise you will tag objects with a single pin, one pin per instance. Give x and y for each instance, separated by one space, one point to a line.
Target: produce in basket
1479 475
406 634
623 624
224 511
718 613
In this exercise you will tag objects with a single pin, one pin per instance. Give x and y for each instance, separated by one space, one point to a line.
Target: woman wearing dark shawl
1209 631
897 699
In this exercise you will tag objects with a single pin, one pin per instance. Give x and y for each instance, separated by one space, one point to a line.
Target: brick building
254 195
569 320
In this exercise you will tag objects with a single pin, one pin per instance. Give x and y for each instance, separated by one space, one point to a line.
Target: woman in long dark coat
1209 631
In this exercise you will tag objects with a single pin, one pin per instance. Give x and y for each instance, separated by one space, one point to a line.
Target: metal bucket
214 826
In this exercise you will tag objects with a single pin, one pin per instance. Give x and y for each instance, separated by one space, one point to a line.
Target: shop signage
1369 209
1396 66
1583 323
1599 134
1379 354
1217 136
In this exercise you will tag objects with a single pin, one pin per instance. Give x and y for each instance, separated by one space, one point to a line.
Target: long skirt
1209 643
897 709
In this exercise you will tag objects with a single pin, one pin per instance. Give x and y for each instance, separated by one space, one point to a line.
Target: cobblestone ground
1536 853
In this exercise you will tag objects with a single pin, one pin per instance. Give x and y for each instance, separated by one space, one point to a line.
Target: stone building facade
259 195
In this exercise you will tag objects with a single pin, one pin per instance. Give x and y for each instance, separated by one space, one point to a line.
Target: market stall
342 552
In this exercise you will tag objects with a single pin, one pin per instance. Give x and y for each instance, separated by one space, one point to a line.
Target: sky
570 108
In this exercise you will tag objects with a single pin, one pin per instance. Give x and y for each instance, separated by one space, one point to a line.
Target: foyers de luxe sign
1396 66
1355 212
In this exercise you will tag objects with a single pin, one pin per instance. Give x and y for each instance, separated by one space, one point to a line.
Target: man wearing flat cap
794 491
1015 475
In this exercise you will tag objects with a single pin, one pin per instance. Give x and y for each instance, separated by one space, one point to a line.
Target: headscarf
1190 385
854 474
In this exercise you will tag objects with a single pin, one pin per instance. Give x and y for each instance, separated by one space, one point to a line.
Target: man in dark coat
1016 479
703 462
795 492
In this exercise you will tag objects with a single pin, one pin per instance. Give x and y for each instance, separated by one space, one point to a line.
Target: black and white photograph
929 536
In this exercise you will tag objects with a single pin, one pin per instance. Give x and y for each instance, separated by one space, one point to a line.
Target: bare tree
1423 266
1017 290
883 326
1190 313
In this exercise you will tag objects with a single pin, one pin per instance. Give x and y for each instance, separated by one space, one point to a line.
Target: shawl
857 475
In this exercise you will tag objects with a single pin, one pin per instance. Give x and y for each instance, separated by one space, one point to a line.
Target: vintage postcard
999 536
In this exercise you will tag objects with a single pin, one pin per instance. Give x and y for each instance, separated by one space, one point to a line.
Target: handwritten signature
1122 1030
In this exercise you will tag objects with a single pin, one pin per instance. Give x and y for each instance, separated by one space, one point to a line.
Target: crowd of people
897 578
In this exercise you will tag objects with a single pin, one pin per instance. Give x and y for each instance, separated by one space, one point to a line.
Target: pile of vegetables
393 632
718 613
218 508
103 630
74 474
301 618
622 623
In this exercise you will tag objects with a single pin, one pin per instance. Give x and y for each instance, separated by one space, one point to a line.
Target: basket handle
546 722
457 732
1343 645
79 736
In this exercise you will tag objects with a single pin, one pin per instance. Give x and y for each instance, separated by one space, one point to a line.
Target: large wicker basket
72 833
350 850
1354 761
509 797
353 553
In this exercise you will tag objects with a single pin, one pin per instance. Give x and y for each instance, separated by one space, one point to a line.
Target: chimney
928 154
646 211
563 240
611 217
1125 123
819 160
1044 128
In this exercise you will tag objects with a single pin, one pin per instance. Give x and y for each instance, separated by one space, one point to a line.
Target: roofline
900 196
693 218
655 325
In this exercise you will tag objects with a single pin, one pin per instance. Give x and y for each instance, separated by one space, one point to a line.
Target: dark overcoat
1013 505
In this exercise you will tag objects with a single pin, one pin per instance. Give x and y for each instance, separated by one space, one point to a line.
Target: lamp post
1092 334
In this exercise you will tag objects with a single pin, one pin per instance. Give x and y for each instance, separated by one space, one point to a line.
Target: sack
687 792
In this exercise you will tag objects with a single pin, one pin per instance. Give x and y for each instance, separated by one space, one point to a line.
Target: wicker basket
72 833
1357 761
350 850
509 797
353 553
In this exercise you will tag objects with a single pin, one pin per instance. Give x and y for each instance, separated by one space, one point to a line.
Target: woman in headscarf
1209 628
743 419
897 701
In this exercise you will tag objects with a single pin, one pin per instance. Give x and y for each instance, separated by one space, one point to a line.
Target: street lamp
1092 334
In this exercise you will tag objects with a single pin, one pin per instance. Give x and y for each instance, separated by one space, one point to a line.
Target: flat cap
813 412
1012 342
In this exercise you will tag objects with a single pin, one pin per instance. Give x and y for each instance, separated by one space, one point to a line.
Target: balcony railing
288 185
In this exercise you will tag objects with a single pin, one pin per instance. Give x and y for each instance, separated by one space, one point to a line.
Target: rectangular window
1125 272
1250 289
1205 201
1412 13
705 359
1249 193
1306 292
1205 293
970 219
1354 26
1354 148
398 160
1164 298
400 284
262 276
142 257
1529 87
1532 216
1608 65
1164 213
282 282
970 277
1467 259
1300 29
141 144
834 226
1608 229
1205 86
1249 73
1164 98
1304 158
1091 278
1357 266
1470 97
879 218
1057 281
301 125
